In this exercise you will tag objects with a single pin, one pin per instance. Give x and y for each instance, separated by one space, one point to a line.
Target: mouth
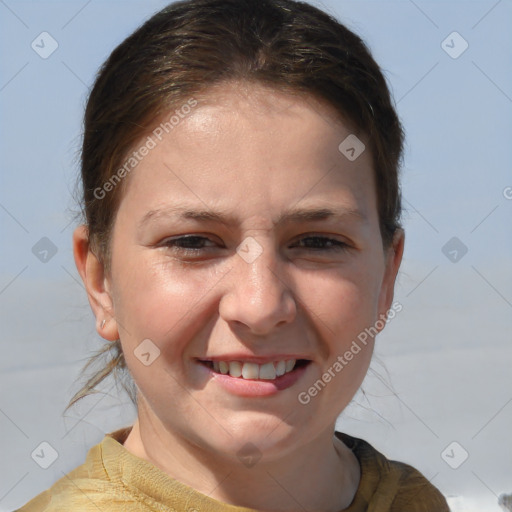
248 370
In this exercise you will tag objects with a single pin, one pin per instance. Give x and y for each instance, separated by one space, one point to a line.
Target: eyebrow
292 215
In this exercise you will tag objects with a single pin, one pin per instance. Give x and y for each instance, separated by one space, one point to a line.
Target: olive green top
112 479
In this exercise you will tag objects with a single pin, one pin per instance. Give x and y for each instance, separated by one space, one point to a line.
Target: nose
257 295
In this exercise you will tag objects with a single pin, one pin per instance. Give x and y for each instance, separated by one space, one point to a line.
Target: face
246 242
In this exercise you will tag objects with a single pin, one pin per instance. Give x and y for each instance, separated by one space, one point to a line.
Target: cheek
343 302
344 311
171 308
157 301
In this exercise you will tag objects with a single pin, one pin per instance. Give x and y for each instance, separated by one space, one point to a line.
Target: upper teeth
267 371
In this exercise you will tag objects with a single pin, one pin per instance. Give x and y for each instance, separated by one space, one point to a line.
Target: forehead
261 108
266 100
248 144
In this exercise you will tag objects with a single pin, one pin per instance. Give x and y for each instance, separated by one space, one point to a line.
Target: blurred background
439 392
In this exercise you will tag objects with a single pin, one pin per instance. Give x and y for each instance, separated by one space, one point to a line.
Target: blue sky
448 352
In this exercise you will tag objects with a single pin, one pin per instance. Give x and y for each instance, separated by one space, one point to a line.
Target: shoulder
415 492
392 486
88 487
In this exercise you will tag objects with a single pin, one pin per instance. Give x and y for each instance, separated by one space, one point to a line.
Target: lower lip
256 388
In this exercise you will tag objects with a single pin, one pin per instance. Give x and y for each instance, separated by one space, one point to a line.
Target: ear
394 255
96 283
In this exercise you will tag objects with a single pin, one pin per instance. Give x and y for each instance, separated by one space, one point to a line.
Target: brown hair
192 45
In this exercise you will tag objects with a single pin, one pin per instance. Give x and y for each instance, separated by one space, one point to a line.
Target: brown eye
321 243
190 246
192 242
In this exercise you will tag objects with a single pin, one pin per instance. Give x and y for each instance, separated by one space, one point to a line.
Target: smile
254 371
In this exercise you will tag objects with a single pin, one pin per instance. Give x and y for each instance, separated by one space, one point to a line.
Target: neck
330 469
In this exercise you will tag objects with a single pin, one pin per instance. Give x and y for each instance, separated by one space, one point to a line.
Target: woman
240 245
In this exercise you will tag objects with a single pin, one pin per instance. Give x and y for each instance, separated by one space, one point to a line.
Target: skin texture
251 153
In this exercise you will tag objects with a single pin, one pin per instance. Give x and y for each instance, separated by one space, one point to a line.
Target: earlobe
92 272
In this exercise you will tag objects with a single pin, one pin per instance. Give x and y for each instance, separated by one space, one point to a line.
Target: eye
322 243
190 245
196 245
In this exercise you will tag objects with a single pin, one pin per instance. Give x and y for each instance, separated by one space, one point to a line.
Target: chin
256 434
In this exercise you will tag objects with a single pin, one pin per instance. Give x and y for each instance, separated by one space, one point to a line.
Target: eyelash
335 245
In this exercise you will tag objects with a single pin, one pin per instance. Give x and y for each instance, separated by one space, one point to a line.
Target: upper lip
251 358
